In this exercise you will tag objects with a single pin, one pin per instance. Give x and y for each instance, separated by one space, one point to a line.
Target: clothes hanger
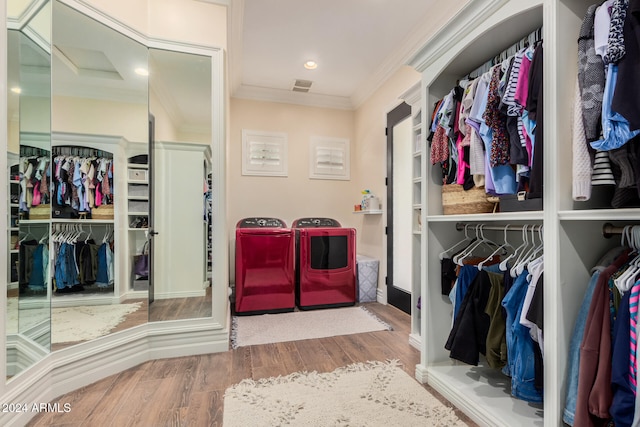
503 247
529 254
523 249
467 240
470 247
625 280
26 236
534 251
503 265
481 241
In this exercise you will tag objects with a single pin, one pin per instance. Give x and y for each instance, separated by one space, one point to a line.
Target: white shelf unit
369 212
12 232
413 97
138 202
572 235
116 146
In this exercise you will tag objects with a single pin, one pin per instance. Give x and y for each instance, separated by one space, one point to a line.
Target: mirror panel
29 144
99 121
78 121
180 102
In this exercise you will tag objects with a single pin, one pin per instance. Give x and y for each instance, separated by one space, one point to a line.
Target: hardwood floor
189 391
159 310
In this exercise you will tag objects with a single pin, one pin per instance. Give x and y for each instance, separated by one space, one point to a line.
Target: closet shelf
75 221
600 215
143 198
487 217
417 127
369 212
417 180
417 153
138 213
472 388
137 166
34 221
138 229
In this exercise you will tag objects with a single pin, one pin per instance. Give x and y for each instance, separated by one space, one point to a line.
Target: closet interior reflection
28 141
83 186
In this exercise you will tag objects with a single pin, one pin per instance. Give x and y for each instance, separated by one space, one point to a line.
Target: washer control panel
315 222
259 222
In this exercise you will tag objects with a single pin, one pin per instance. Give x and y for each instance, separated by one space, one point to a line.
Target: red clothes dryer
264 266
325 263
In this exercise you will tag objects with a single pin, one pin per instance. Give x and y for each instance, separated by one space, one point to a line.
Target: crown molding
219 2
235 27
460 25
289 97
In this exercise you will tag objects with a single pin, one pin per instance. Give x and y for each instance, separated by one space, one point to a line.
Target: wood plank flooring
161 310
189 391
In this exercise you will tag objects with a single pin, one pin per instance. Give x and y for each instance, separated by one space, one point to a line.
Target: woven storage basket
40 212
102 212
455 200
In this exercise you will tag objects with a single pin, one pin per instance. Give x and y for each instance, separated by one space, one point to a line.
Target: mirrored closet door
28 325
110 175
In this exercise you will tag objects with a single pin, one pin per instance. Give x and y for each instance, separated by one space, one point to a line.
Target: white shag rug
70 324
302 325
26 319
362 394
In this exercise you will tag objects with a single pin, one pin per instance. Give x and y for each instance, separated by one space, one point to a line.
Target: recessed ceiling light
142 71
16 89
311 65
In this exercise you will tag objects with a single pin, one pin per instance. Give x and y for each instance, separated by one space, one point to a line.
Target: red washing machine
264 266
325 263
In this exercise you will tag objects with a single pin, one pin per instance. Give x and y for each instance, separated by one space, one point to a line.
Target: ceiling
357 44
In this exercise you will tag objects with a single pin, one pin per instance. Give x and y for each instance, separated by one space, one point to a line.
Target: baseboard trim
421 374
381 295
415 340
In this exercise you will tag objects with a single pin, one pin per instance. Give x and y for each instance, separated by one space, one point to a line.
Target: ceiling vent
302 85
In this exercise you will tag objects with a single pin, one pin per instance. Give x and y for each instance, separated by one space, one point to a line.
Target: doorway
399 207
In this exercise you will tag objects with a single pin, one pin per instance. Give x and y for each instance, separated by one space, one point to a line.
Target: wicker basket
455 200
40 212
102 212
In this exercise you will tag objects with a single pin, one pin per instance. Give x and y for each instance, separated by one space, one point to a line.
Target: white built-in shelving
573 239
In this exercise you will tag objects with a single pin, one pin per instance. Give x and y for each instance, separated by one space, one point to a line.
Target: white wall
165 129
370 159
294 196
100 117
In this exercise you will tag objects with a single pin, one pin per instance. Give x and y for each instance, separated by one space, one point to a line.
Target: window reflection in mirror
180 101
29 143
99 121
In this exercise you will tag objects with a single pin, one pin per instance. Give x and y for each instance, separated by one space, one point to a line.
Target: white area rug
28 317
362 394
83 323
302 325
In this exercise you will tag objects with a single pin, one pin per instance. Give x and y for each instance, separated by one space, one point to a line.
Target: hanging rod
527 40
609 230
460 226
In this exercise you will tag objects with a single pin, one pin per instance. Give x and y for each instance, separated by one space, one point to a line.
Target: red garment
496 119
594 381
439 146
